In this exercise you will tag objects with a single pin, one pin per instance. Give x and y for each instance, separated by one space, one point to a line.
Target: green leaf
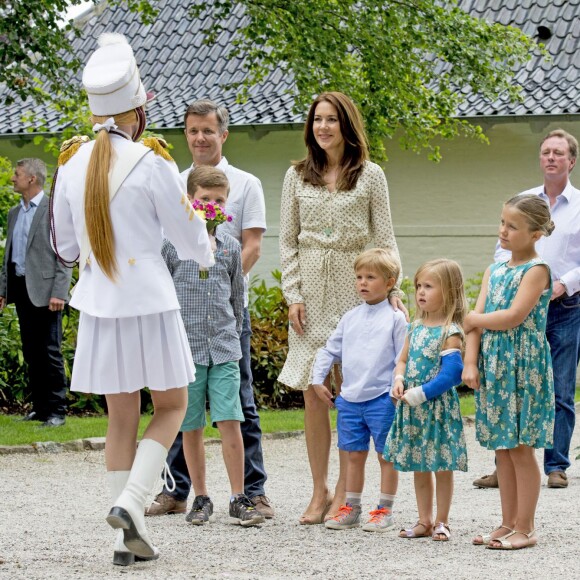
408 65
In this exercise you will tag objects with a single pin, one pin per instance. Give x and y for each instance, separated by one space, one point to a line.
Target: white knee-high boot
117 481
128 513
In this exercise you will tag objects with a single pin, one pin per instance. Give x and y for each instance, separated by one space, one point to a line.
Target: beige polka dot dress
321 234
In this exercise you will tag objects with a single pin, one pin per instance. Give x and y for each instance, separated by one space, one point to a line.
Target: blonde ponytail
97 212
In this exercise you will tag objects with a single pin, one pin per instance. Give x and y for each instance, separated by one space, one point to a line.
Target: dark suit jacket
45 276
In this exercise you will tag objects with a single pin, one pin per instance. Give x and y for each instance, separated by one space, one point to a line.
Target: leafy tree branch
408 64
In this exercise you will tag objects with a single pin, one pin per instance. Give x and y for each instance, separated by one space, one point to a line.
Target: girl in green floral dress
513 372
427 434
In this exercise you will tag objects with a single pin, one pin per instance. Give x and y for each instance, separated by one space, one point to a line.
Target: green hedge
269 315
270 337
269 347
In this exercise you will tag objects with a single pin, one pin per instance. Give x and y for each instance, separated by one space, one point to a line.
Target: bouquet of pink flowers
211 212
213 215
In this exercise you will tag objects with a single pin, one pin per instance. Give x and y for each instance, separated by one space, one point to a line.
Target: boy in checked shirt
212 312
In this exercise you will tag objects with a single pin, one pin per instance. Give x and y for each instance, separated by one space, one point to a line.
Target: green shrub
13 372
472 288
269 315
12 369
270 337
8 198
78 403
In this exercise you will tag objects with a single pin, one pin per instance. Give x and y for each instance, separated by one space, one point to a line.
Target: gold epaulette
158 145
70 147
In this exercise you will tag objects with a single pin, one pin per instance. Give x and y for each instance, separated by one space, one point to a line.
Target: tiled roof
179 68
550 88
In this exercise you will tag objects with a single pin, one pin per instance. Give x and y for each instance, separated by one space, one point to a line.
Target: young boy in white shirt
367 342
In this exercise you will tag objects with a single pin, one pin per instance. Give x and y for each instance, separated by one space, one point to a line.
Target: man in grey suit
32 278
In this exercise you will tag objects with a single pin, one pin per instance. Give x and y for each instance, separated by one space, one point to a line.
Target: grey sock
353 498
387 501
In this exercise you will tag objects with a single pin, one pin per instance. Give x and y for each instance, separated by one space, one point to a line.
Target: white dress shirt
561 250
367 341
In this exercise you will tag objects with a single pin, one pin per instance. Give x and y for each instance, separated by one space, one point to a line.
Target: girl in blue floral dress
513 372
427 434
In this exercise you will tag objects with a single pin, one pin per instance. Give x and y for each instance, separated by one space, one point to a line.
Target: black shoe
243 512
33 416
54 421
201 511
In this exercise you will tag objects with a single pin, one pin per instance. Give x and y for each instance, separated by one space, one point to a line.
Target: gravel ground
52 525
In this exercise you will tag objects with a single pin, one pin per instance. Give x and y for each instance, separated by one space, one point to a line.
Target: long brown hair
356 148
97 213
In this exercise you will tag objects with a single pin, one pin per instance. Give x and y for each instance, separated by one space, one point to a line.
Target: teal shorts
221 385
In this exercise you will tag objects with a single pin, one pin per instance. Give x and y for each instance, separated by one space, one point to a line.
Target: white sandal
504 544
441 529
486 538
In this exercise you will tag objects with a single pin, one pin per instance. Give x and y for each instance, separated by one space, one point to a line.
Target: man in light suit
32 278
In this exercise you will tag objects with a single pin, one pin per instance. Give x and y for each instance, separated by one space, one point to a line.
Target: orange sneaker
348 516
380 519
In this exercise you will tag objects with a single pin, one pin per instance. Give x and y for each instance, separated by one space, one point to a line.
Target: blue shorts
358 422
221 385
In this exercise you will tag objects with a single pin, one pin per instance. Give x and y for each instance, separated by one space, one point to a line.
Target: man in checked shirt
212 309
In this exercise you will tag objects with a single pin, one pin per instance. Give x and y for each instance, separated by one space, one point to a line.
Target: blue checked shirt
212 309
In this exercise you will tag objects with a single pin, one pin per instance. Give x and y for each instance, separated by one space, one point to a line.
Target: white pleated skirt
123 355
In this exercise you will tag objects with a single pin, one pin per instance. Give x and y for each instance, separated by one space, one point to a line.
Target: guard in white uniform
113 198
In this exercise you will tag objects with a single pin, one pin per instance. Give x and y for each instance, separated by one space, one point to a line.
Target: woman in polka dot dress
334 203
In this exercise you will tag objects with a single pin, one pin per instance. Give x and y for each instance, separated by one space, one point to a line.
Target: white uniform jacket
150 204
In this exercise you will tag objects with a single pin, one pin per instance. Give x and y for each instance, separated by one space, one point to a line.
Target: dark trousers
41 334
254 472
563 333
